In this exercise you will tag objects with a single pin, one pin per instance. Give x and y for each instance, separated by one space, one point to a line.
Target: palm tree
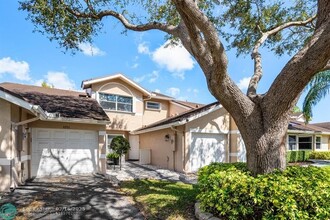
317 89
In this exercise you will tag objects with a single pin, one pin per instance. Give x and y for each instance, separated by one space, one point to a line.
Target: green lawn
162 199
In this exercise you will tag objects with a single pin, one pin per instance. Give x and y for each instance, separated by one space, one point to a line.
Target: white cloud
19 69
139 78
157 90
175 58
173 91
143 48
244 83
135 65
59 80
90 50
153 76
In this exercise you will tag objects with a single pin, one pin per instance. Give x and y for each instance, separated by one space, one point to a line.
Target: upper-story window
153 105
116 102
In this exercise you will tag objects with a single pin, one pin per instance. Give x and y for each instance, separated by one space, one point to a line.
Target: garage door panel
59 135
44 134
206 148
61 156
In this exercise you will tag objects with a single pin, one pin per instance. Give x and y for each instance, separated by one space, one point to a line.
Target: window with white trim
305 143
297 142
318 142
292 142
153 105
116 102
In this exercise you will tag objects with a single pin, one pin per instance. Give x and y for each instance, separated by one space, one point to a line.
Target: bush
113 156
322 155
297 156
229 191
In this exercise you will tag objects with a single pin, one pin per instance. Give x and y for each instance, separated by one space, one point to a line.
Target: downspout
176 131
12 185
229 140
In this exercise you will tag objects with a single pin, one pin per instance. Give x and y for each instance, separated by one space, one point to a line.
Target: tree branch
327 66
256 56
300 69
170 29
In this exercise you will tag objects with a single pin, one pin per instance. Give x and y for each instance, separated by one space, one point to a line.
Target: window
305 143
318 143
302 142
292 142
116 102
153 105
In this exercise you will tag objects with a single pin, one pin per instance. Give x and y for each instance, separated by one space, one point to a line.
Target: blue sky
30 58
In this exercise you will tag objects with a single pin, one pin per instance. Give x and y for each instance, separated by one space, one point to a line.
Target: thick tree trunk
266 149
264 137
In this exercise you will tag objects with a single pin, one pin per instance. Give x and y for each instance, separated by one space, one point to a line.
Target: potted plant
113 157
120 146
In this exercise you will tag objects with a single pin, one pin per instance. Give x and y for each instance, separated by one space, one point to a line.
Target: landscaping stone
203 215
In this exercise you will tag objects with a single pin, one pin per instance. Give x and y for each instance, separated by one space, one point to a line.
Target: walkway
132 170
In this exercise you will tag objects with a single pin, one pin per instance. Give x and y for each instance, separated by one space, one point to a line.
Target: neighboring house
303 136
46 132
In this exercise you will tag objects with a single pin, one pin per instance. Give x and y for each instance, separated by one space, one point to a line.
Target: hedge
322 155
230 192
297 156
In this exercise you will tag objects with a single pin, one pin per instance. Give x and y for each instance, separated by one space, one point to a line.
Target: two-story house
130 107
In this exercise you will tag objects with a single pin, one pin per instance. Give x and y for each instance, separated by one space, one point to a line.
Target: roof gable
87 83
180 119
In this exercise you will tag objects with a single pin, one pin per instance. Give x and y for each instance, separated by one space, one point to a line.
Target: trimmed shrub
297 156
322 155
231 192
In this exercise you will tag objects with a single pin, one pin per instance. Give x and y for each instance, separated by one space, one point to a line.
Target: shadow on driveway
71 197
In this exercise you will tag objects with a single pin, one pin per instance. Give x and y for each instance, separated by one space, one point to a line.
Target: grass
162 199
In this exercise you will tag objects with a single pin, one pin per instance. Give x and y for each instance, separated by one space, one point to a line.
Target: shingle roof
69 104
188 104
181 117
325 125
301 126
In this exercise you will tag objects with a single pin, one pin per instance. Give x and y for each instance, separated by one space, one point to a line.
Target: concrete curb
203 215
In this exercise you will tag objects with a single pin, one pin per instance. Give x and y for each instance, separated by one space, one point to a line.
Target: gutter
158 127
178 123
77 120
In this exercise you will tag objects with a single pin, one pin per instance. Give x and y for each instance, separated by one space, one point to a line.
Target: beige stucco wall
165 154
152 116
324 142
175 109
5 144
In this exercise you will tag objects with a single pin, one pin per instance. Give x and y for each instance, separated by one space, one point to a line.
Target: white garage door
206 148
63 152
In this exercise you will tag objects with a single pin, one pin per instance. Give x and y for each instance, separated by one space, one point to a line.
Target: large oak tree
300 27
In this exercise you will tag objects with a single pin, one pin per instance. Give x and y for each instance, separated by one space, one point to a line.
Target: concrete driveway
70 197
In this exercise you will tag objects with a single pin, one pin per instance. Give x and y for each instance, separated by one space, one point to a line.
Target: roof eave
77 120
86 84
178 123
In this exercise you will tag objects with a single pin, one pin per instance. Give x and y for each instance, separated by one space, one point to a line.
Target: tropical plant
317 88
120 146
299 27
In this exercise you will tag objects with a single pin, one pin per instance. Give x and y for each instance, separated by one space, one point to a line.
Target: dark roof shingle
69 104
